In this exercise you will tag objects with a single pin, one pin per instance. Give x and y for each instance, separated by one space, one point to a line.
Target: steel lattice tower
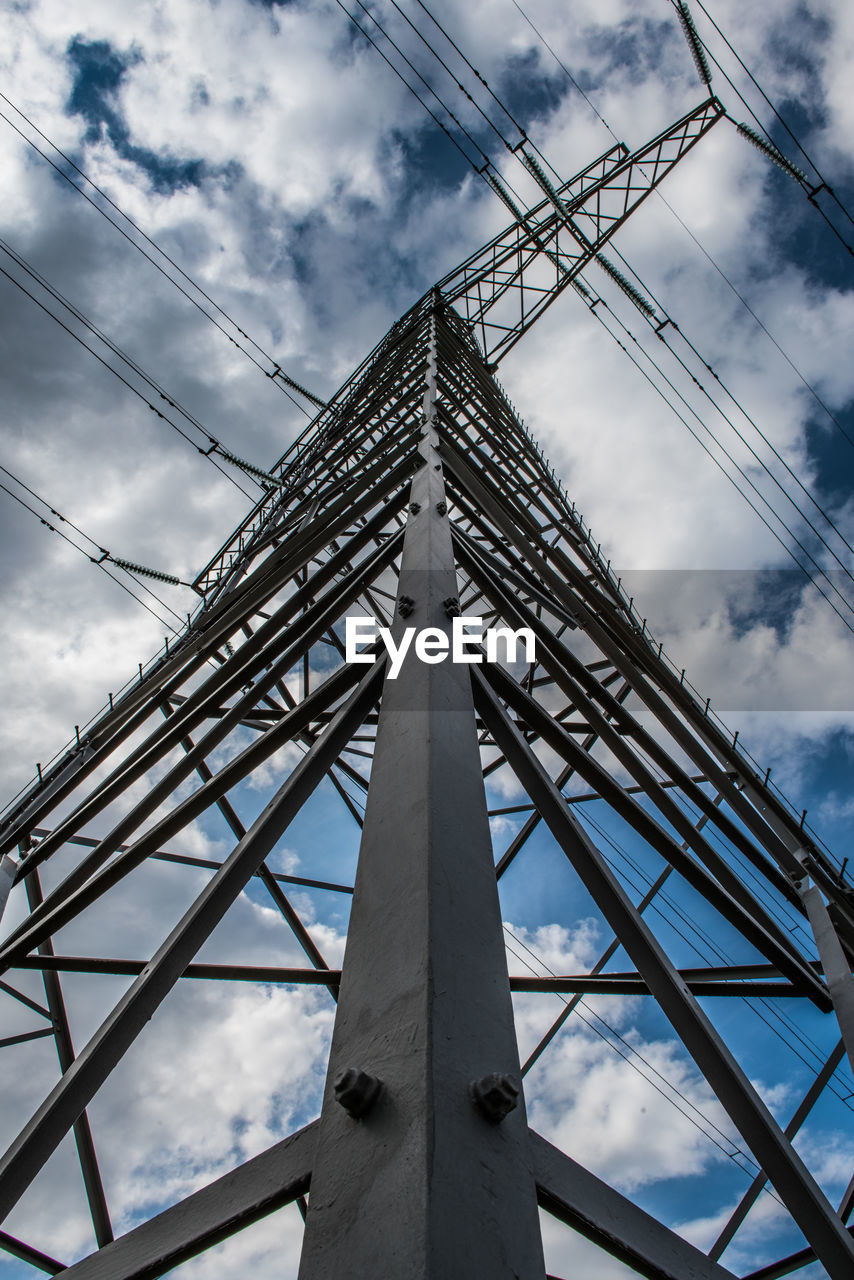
417 495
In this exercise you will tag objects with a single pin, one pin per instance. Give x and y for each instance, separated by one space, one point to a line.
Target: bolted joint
405 605
451 605
356 1091
415 507
442 507
494 1096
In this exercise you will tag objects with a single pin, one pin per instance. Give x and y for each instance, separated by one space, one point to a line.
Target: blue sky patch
98 73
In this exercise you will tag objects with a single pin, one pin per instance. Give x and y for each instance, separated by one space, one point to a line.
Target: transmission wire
722 956
825 408
471 66
117 351
457 82
413 91
766 132
828 519
57 168
718 464
661 373
693 348
567 71
809 160
632 1050
82 550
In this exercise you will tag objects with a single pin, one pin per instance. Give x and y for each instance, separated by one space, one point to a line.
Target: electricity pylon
415 498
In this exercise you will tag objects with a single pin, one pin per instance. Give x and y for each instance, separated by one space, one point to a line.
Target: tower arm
506 286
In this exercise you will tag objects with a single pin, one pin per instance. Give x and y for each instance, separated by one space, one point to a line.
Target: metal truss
419 496
500 290
506 286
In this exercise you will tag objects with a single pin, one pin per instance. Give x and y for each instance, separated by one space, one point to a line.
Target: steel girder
419 495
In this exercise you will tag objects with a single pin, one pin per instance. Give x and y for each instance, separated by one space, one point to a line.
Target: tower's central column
424 1184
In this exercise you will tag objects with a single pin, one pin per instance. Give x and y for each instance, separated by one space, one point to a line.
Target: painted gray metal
8 869
570 1192
43 1133
239 1198
424 1003
419 485
798 1189
835 964
89 1169
755 1189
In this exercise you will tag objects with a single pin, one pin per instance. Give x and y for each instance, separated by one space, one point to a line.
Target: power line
98 561
816 397
566 69
719 955
720 466
800 177
789 361
631 1051
810 558
660 332
796 141
457 82
127 360
277 372
413 91
471 66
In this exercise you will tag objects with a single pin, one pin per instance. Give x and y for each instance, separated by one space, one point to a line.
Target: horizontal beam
618 985
226 1206
79 1083
557 984
213 972
207 864
577 1197
26 1253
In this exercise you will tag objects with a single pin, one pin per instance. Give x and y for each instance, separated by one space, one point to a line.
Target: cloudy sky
309 198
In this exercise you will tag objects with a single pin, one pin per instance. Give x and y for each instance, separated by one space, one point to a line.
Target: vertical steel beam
8 870
424 1185
834 962
92 1183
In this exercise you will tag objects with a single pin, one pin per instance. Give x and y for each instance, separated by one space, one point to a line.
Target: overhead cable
660 332
100 562
823 183
127 360
743 301
278 374
811 192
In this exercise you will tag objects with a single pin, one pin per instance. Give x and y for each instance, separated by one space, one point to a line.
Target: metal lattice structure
417 496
